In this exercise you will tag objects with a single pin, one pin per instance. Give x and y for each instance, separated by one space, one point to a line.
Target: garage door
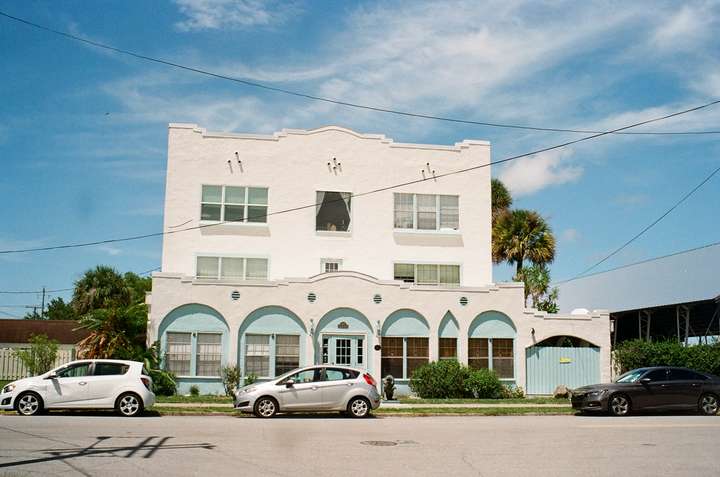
549 366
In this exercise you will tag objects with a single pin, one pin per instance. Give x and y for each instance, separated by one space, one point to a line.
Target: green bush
484 384
231 379
250 379
639 353
40 357
163 382
440 379
194 390
512 392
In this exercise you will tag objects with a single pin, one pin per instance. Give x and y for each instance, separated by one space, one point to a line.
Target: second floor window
427 273
234 204
232 268
427 212
332 211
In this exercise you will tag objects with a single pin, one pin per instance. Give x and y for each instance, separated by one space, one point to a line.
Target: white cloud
570 235
686 28
233 14
530 174
112 251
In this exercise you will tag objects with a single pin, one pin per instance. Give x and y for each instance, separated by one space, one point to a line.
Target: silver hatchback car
312 389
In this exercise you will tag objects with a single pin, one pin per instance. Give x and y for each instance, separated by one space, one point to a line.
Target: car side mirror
289 383
645 381
51 376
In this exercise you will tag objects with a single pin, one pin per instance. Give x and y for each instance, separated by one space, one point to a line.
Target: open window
332 212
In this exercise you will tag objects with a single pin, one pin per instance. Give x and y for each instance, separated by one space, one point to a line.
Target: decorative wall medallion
463 300
312 297
377 299
343 325
235 295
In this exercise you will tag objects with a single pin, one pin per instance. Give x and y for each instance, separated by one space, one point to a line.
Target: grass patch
209 399
478 411
3 383
533 400
179 411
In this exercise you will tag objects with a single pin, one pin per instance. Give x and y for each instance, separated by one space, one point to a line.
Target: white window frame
272 351
414 227
335 232
405 356
325 261
490 354
194 351
220 258
438 284
245 205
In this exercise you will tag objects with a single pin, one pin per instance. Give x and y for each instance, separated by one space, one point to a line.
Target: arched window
491 344
405 345
448 337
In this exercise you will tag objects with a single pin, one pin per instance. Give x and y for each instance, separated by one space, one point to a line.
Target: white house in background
292 249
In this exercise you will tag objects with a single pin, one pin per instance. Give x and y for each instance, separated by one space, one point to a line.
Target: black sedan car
657 388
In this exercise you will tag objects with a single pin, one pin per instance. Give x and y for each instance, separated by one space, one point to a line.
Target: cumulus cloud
233 14
570 235
530 174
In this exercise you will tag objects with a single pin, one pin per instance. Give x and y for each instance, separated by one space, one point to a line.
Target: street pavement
102 444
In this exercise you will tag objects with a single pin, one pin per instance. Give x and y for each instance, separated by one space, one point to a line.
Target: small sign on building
343 325
565 360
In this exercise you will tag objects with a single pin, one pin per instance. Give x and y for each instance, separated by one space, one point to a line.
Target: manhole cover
379 443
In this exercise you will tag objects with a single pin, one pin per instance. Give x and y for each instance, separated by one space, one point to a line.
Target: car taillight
369 379
146 382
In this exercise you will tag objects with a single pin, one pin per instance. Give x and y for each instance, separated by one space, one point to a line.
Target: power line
10 315
648 227
338 102
27 292
647 260
373 191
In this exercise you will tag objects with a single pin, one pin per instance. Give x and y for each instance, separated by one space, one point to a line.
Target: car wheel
266 407
129 405
709 404
619 405
359 407
29 404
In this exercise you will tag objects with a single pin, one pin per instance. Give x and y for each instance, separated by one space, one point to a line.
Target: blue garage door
548 367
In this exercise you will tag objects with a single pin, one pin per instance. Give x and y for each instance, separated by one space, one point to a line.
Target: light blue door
344 350
548 366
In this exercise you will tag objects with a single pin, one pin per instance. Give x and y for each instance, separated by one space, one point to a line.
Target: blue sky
83 131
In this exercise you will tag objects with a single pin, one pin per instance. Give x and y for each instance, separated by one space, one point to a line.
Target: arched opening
448 333
491 344
343 336
566 341
405 343
561 359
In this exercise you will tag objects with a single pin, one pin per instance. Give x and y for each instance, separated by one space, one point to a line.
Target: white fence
11 367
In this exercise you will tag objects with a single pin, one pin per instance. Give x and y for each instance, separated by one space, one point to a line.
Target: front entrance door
344 350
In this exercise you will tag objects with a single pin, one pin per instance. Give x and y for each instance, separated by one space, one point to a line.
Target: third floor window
234 204
426 212
332 211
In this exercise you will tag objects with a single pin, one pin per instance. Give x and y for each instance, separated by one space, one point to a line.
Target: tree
115 332
59 310
138 286
500 200
39 358
520 235
537 287
101 287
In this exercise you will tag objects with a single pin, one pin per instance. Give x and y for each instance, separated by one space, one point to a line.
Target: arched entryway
343 336
561 359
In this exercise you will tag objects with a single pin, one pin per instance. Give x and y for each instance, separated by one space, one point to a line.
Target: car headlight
246 390
8 389
594 394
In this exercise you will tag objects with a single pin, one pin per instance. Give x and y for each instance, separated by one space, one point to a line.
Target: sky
83 131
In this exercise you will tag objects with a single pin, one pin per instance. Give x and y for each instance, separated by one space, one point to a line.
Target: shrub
231 379
163 382
512 392
483 384
639 353
250 378
39 358
194 390
440 379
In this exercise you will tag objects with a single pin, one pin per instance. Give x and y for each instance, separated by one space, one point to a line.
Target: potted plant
389 387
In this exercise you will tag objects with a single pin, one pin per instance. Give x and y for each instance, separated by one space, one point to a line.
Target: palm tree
500 198
115 332
101 287
520 235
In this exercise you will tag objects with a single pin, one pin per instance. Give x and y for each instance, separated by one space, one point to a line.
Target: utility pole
42 310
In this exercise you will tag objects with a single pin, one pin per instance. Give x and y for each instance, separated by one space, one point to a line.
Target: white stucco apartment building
294 248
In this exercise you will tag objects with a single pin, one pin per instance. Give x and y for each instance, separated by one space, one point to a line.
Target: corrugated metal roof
19 331
693 275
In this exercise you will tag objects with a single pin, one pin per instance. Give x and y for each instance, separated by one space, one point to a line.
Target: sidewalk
384 405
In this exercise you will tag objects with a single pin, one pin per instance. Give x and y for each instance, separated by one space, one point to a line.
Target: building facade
299 248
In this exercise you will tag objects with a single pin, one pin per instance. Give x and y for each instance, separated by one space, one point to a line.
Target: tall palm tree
500 198
520 235
100 287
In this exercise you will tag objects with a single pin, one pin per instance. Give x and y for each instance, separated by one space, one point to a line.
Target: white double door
344 350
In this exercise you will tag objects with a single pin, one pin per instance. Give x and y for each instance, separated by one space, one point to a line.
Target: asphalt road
397 446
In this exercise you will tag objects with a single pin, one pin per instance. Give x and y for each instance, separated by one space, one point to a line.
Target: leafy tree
501 200
33 315
138 286
521 235
39 358
115 332
59 310
101 287
537 287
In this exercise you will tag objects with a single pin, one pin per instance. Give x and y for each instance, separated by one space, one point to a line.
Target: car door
102 386
304 393
336 384
651 390
70 386
684 387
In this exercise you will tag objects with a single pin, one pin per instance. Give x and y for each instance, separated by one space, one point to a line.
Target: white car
313 389
86 384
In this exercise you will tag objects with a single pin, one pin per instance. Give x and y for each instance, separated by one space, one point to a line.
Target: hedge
639 353
451 379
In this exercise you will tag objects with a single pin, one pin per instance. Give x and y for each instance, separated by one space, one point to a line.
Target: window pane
417 354
333 374
426 212
257 269
403 211
209 354
257 355
427 274
404 272
478 356
258 195
110 369
234 213
257 214
503 357
448 348
177 354
449 274
211 193
232 268
333 211
75 371
210 212
287 353
449 212
392 357
234 195
207 267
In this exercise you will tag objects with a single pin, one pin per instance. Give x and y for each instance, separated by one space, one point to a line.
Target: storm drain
379 443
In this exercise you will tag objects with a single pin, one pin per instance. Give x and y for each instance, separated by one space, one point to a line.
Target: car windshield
630 376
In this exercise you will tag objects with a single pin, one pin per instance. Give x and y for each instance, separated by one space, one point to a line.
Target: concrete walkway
393 405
